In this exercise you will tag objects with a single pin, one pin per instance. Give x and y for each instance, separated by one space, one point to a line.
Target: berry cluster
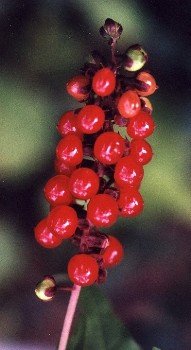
98 170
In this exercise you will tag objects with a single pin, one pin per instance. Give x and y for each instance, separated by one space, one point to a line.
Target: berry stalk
69 317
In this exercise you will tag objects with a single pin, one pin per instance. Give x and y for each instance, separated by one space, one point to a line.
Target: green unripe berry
45 290
135 58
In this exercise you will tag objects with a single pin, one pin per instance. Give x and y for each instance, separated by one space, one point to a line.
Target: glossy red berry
114 253
62 168
57 191
148 79
77 87
141 151
68 124
109 147
129 104
83 270
104 82
62 221
90 119
70 150
128 172
141 126
102 210
45 237
84 183
130 202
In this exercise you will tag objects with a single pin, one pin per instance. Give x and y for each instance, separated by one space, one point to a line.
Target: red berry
77 87
68 124
141 126
129 104
128 172
84 183
150 81
141 151
102 210
90 119
130 202
45 237
70 150
109 147
57 190
114 253
62 221
83 270
104 82
62 168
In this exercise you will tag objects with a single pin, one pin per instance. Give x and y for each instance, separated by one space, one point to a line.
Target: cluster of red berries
99 172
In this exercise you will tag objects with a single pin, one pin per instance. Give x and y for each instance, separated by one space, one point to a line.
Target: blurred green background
43 44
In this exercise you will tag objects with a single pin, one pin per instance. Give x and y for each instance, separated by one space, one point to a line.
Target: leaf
12 254
76 340
166 185
43 57
97 326
26 128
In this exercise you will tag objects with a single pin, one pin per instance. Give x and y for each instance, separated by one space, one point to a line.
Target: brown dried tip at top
111 29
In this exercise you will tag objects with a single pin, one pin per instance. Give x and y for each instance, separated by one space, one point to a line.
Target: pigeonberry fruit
141 126
62 221
45 237
90 119
102 210
135 58
70 150
141 151
114 253
68 124
84 183
57 191
149 80
128 172
77 87
83 270
129 104
104 81
46 289
109 147
130 202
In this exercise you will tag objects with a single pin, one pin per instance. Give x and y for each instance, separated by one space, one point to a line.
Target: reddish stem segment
113 47
69 317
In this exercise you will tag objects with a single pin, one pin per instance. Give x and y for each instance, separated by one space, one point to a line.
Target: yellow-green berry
45 289
135 58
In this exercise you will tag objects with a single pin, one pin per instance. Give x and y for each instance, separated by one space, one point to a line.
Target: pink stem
69 317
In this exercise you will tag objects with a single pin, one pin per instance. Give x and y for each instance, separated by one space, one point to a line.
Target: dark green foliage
97 327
